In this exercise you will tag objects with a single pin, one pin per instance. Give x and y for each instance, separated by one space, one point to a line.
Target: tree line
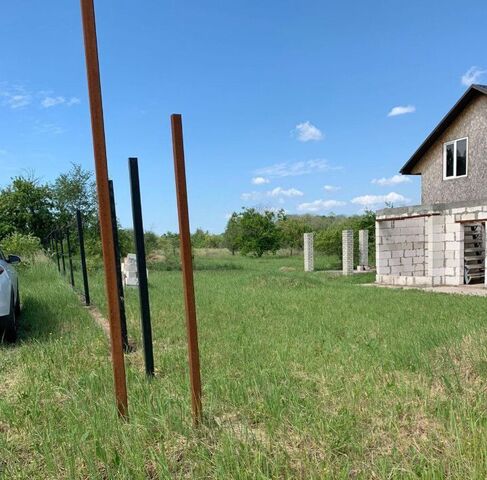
251 232
31 209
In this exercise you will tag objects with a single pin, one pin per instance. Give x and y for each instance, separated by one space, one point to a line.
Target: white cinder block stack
309 263
347 252
130 276
363 245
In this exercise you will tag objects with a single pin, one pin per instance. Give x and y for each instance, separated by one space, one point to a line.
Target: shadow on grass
198 264
39 320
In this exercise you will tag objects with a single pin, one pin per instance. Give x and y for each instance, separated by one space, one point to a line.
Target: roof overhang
472 92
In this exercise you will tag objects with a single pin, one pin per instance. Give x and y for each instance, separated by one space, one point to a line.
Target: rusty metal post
187 266
104 214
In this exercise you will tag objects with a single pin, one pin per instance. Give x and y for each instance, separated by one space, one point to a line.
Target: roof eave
472 92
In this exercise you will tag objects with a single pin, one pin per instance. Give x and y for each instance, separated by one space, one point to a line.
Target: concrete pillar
363 245
435 258
347 252
309 261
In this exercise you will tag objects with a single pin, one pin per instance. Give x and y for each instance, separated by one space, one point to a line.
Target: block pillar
309 261
435 258
363 245
347 252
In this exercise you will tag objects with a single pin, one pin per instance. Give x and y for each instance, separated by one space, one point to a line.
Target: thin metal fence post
187 266
141 266
106 230
116 244
57 252
61 241
70 258
81 239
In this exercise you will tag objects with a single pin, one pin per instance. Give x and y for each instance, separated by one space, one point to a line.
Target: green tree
199 238
26 207
292 230
151 241
126 241
75 190
233 233
329 241
170 243
259 232
214 241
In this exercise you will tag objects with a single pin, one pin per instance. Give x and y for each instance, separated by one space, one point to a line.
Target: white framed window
455 159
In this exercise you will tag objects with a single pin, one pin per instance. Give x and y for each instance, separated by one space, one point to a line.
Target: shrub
329 241
26 246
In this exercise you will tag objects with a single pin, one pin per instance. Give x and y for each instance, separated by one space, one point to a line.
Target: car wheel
17 305
11 331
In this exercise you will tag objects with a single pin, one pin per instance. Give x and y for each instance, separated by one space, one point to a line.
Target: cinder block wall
424 245
401 247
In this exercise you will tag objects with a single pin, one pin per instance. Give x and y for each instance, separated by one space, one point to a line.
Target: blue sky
297 97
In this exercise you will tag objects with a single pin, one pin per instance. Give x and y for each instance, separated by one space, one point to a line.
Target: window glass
461 157
449 160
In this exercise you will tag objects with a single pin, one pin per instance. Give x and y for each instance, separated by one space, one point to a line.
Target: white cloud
287 169
49 102
14 97
260 181
18 101
306 132
320 205
394 180
331 188
472 75
251 196
73 101
277 192
375 200
290 192
401 110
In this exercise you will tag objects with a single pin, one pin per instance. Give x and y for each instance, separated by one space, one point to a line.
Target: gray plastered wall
471 123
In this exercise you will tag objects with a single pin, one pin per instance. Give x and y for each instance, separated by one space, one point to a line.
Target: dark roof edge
472 92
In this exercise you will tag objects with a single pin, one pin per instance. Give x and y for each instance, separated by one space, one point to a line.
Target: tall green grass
304 376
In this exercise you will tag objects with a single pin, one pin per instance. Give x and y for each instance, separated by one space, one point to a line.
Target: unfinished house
442 241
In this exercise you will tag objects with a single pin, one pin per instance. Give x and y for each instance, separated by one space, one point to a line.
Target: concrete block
384 254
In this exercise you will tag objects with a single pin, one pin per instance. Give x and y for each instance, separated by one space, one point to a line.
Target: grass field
304 376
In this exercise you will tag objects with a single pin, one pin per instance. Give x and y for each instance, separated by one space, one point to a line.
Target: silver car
9 297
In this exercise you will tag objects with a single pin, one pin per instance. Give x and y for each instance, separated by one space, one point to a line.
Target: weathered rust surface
187 266
101 170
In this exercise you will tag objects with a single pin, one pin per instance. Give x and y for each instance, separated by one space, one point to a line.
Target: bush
26 246
329 241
